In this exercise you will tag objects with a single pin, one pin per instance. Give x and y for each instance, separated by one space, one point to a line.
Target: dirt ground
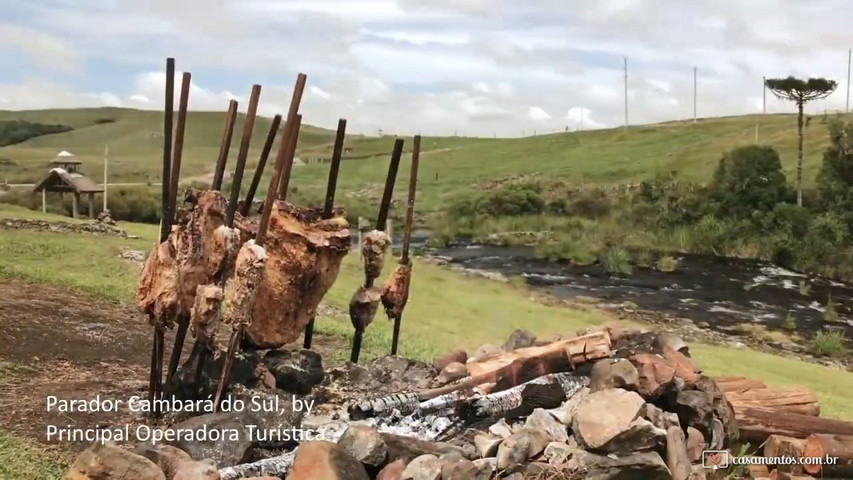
58 342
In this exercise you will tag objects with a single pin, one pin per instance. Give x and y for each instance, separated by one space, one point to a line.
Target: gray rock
521 446
519 339
109 461
565 413
295 371
486 467
658 417
605 414
542 420
197 470
539 470
364 444
636 466
485 351
618 373
695 444
501 429
325 460
167 457
226 452
451 457
451 373
487 445
641 435
458 470
559 453
425 467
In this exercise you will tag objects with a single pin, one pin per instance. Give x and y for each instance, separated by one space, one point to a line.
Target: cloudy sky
476 67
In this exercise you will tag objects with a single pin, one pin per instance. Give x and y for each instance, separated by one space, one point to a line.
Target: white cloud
317 91
478 67
536 113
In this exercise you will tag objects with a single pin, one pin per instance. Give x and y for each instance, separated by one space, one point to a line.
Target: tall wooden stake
407 232
329 205
224 146
262 163
106 156
263 225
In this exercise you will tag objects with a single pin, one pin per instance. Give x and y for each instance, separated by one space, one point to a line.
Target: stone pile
645 411
92 228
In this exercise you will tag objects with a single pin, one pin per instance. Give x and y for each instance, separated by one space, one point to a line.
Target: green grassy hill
449 164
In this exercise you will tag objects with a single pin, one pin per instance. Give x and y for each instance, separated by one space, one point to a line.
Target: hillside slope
450 164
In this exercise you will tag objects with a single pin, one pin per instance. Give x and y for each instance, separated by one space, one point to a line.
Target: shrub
667 264
835 179
616 260
829 343
747 179
17 131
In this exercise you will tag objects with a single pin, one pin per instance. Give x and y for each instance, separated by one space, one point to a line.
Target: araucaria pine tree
800 92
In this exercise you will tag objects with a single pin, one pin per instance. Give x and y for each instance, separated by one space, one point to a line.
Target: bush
507 200
17 131
616 260
835 179
829 343
667 264
747 179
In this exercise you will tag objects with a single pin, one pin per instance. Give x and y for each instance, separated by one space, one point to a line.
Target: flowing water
722 292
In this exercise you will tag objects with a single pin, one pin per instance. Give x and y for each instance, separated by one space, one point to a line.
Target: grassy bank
446 311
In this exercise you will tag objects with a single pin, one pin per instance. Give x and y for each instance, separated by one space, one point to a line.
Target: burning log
756 424
794 400
278 466
405 403
502 402
823 446
578 350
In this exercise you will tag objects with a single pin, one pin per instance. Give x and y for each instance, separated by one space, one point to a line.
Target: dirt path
58 342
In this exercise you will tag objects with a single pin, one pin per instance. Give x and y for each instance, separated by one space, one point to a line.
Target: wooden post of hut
67 177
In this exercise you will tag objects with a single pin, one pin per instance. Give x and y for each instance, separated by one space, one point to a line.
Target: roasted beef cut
363 306
395 290
373 247
304 254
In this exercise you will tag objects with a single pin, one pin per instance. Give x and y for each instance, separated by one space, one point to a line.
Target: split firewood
738 384
794 400
756 424
578 349
823 446
278 466
778 446
305 254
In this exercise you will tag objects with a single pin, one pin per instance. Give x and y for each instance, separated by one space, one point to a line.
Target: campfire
605 403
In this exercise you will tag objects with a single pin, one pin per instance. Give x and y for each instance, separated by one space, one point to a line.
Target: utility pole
764 95
847 105
626 92
581 118
694 94
106 155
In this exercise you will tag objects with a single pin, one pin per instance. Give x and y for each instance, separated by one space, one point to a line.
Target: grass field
446 311
450 165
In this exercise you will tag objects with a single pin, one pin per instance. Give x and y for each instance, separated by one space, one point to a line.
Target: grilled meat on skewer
395 290
304 252
363 306
374 245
